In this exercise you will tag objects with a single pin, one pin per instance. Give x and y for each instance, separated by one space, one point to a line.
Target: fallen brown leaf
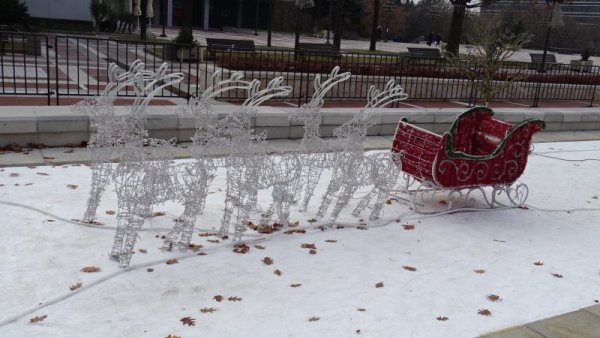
259 247
172 336
75 286
313 319
110 212
189 321
312 252
362 227
172 261
277 272
143 250
213 241
484 312
557 275
208 310
494 298
409 268
38 319
158 213
331 241
312 220
218 298
195 247
149 269
72 186
296 285
388 201
379 285
42 174
538 263
294 231
479 271
308 246
361 309
241 248
207 234
408 226
441 318
268 260
90 269
234 299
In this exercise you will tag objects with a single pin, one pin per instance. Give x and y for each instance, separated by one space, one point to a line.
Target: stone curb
56 126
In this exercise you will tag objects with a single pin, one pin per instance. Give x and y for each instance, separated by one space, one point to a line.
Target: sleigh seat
476 151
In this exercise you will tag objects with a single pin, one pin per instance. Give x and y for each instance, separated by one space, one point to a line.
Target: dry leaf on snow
313 319
308 246
75 286
149 269
37 319
208 310
479 271
408 226
234 299
441 318
72 186
259 247
110 212
312 252
172 261
331 241
361 309
42 174
172 336
484 312
189 321
143 250
557 275
296 285
277 272
409 268
218 298
494 298
538 263
379 285
268 260
241 248
90 269
158 213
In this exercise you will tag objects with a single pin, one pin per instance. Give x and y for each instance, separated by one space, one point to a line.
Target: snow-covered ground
416 276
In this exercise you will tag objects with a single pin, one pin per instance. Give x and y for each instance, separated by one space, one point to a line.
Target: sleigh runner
477 151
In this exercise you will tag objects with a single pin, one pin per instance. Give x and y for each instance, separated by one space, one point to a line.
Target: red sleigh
476 151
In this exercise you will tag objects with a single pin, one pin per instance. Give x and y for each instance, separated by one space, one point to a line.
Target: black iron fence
70 66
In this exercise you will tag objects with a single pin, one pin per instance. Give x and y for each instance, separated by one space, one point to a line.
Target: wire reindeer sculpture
313 148
351 169
246 156
105 142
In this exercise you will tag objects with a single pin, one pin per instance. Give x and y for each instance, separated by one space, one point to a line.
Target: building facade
585 12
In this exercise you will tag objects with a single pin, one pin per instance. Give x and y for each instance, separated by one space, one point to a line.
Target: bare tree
459 10
375 33
483 64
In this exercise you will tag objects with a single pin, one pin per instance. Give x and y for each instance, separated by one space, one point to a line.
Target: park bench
319 49
425 53
213 45
537 58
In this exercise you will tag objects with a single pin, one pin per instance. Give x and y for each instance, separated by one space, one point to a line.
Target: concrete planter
190 54
581 65
33 45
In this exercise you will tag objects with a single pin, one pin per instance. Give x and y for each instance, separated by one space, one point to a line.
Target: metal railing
71 66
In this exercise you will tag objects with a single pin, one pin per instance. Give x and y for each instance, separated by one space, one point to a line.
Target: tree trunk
339 17
188 9
458 18
143 19
270 23
374 31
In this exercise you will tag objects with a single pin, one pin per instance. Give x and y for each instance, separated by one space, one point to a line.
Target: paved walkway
287 40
